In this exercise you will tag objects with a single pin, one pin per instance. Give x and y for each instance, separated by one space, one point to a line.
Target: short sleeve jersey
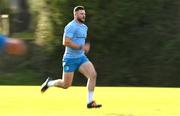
77 33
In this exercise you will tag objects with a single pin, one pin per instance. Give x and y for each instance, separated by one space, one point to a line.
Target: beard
81 20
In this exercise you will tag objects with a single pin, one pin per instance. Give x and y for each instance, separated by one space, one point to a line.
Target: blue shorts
72 64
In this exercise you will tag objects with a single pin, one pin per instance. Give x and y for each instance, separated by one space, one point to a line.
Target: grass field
116 101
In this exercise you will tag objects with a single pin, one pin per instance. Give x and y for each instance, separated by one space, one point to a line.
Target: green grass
116 101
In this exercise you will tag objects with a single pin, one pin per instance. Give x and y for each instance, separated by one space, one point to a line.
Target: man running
74 58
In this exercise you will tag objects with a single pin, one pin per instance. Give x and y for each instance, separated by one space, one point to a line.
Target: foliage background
133 43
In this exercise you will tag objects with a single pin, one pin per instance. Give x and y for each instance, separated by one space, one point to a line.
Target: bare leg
65 82
88 70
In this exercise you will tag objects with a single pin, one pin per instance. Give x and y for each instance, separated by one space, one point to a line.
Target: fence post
5 24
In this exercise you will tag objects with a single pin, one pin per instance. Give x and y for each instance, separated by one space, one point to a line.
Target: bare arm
68 42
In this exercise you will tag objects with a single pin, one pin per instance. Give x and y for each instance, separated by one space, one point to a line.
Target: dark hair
77 8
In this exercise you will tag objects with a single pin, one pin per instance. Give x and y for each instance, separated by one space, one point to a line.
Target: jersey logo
66 68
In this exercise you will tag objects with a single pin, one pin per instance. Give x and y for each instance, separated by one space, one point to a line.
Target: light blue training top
2 42
78 33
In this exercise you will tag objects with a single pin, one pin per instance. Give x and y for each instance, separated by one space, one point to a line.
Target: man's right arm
69 31
68 42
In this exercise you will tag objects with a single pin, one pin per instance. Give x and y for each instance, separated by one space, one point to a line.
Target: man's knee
66 85
94 75
67 80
